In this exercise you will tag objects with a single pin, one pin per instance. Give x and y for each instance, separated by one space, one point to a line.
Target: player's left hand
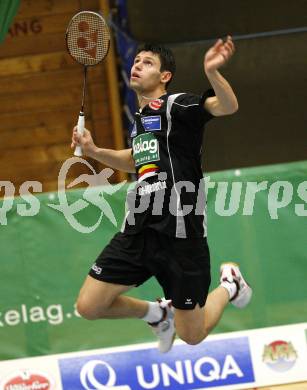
219 54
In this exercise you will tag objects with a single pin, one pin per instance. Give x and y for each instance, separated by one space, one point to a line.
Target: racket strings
88 38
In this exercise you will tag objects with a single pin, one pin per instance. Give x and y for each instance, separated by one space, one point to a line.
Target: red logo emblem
279 355
156 104
27 380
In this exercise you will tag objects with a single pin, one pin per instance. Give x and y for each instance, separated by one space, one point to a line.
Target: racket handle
80 126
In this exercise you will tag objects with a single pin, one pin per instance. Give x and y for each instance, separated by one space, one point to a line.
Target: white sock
154 313
231 288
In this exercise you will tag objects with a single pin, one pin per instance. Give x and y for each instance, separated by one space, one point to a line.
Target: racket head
88 38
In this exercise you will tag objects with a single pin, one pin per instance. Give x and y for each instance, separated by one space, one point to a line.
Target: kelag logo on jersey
151 123
208 365
145 149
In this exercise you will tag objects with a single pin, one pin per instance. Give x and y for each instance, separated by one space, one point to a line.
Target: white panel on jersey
180 224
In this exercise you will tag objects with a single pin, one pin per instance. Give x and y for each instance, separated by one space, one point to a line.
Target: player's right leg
99 299
119 268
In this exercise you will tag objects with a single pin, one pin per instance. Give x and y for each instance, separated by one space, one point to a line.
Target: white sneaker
230 273
165 328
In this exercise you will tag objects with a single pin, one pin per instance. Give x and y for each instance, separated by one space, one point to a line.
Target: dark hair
166 57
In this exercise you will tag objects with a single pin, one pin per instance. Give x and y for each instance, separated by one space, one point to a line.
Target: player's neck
146 97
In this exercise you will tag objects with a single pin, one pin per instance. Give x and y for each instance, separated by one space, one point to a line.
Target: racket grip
80 126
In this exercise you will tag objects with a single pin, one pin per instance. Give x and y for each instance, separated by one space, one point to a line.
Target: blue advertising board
208 365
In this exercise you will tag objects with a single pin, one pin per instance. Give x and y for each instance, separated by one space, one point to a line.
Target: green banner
256 216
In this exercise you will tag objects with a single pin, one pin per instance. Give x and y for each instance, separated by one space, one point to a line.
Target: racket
88 42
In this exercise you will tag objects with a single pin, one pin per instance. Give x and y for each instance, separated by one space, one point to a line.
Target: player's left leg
182 267
193 326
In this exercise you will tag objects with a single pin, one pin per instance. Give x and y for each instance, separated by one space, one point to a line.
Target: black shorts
181 265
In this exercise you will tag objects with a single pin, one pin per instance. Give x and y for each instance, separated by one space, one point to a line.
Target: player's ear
166 76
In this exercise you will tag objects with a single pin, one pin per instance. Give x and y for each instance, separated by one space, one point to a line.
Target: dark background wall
268 72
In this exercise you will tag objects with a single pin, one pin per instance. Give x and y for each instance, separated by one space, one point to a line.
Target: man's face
145 72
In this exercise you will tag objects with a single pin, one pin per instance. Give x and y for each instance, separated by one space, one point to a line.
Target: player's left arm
225 101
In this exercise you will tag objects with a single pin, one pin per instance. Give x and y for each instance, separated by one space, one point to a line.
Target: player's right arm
117 159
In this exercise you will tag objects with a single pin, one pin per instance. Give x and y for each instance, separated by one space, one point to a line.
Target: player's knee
192 337
207 329
89 311
85 310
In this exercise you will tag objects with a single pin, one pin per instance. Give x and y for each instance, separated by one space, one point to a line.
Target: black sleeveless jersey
166 146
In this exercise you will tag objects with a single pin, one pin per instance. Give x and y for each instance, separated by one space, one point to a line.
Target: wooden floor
294 386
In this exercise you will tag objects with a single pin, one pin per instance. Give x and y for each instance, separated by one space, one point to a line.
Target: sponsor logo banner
212 364
279 355
240 360
27 380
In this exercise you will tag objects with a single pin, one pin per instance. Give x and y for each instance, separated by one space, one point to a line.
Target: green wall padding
44 262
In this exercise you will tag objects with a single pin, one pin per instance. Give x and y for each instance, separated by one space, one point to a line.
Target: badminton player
164 233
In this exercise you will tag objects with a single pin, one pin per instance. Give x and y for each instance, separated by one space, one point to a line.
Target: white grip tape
80 127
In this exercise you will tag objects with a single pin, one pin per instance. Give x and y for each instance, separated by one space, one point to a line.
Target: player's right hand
85 141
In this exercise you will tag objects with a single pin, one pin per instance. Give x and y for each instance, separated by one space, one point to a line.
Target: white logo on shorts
97 269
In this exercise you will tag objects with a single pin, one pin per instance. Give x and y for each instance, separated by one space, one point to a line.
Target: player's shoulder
185 98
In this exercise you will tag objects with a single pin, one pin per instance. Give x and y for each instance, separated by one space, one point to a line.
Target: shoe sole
173 339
